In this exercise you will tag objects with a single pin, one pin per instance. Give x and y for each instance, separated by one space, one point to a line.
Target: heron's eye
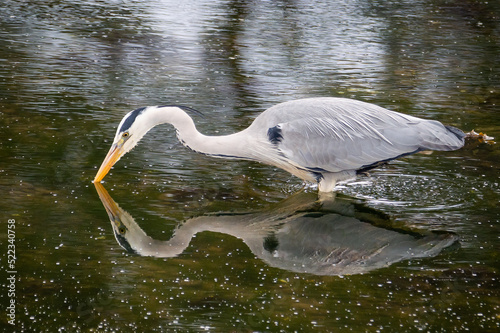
125 135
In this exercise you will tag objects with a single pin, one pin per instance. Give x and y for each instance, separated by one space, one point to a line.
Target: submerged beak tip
99 177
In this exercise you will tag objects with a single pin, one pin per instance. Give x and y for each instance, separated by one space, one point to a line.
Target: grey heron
320 140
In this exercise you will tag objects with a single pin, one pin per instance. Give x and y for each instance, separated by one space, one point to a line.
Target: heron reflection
300 234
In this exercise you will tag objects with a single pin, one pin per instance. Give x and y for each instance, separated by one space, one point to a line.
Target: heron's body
323 140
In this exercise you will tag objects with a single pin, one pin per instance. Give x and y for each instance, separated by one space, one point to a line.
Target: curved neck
228 146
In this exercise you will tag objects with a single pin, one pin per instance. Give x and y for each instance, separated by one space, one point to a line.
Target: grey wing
354 135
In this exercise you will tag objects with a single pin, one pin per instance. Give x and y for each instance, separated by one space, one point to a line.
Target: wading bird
320 140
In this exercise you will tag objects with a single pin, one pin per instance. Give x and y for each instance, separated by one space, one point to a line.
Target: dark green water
199 244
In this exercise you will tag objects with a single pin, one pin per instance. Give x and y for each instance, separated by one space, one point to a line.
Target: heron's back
338 134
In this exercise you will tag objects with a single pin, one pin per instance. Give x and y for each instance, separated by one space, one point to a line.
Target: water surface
412 246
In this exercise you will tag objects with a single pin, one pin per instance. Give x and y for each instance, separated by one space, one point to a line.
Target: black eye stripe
131 118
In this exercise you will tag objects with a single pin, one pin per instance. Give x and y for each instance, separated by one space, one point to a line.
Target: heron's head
130 131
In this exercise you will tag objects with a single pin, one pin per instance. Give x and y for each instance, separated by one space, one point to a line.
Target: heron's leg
327 183
330 180
326 197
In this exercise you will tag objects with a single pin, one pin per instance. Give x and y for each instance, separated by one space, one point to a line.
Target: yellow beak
111 158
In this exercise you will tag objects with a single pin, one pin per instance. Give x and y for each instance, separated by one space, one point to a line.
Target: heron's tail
439 138
456 131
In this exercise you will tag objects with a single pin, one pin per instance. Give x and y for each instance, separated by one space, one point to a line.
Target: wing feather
336 134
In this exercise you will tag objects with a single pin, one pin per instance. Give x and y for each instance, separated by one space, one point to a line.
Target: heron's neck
227 146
